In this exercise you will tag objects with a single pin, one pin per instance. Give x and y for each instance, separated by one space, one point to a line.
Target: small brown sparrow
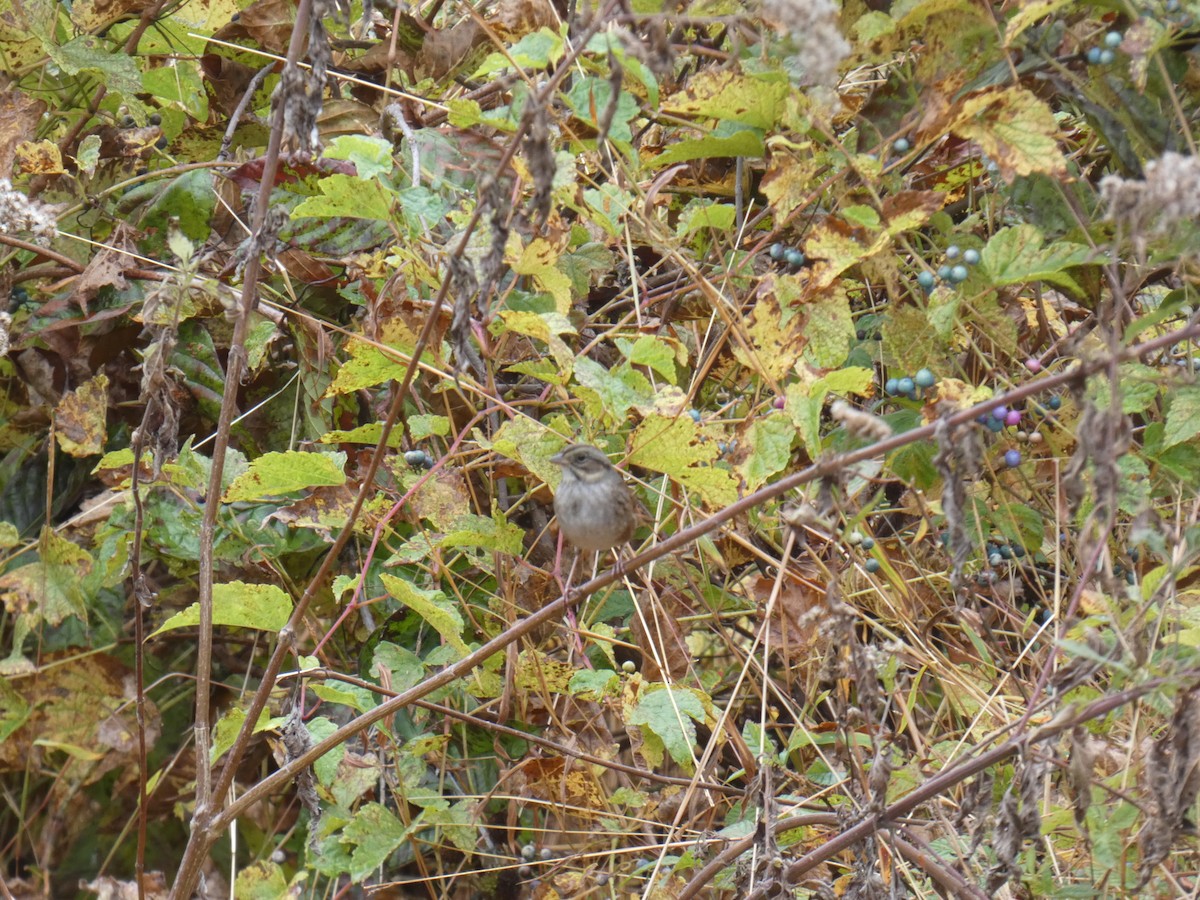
596 510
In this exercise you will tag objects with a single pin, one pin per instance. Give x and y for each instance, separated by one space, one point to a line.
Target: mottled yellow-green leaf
1028 13
539 259
273 474
618 389
80 419
789 181
672 447
775 330
263 607
829 328
728 95
370 365
51 588
495 534
538 673
1015 129
670 713
650 350
545 327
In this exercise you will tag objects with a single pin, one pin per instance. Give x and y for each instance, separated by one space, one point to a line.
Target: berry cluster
792 256
1105 55
908 385
418 459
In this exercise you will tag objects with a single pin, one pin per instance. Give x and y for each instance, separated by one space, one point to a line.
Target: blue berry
958 274
1000 412
695 414
1018 551
1054 402
1107 57
1006 552
995 559
872 566
971 257
1113 39
944 273
1012 458
952 251
926 279
995 425
925 378
794 257
906 385
1131 577
867 543
892 387
777 251
901 145
1093 55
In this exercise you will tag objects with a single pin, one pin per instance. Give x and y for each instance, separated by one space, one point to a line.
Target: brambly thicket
886 311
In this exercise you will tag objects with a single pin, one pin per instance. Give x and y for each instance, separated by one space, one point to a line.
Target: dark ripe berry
794 258
1012 458
892 386
860 335
952 251
1093 55
925 378
959 274
155 119
1113 39
901 145
906 385
127 122
1018 551
995 425
777 251
971 257
1006 551
1054 402
872 566
161 143
1131 577
926 279
528 851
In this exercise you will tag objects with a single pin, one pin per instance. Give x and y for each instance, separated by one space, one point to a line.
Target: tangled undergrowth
886 311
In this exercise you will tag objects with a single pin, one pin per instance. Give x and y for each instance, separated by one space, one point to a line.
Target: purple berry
779 403
1012 458
1013 417
1033 365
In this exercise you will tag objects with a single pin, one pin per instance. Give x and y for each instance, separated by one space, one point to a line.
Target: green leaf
1016 255
1183 416
188 202
496 534
618 389
536 50
746 142
373 834
669 713
53 587
273 474
371 156
348 196
770 444
593 684
1020 524
262 607
652 351
88 53
432 606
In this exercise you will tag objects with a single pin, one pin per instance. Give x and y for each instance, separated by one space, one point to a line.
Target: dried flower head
813 26
860 424
19 214
1168 195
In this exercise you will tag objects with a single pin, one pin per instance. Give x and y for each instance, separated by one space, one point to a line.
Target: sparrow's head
583 461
